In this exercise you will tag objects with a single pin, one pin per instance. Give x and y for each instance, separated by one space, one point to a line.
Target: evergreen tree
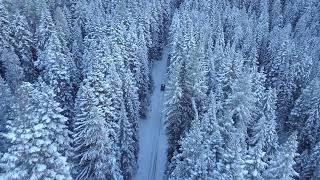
137 62
117 46
276 14
184 164
13 72
240 104
263 138
311 163
306 115
51 109
57 71
307 103
199 67
229 68
280 74
233 156
5 109
22 42
156 29
268 129
62 24
179 113
34 153
44 29
4 26
201 149
4 33
94 16
282 166
96 133
263 28
128 145
310 132
144 83
178 107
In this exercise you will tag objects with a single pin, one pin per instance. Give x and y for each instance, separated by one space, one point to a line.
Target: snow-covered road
153 141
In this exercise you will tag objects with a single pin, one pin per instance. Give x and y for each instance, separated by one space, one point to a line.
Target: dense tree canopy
242 99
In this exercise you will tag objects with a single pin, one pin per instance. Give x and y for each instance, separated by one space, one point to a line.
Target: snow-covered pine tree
179 112
94 15
227 67
22 42
233 165
56 69
77 33
4 26
13 72
178 108
262 31
213 139
4 33
52 110
5 109
34 153
240 104
185 165
156 28
268 126
306 115
238 113
128 145
44 29
62 24
123 56
144 24
131 102
201 149
255 153
311 168
144 83
276 18
308 102
281 167
198 71
137 63
117 45
280 73
263 138
307 165
95 136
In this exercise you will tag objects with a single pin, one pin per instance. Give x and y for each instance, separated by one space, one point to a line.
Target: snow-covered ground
153 141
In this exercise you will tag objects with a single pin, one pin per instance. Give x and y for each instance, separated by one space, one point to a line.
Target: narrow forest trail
153 141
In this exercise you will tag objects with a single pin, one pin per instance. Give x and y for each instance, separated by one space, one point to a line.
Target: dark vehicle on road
163 87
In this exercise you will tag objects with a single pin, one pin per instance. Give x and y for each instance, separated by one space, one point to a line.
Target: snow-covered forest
80 90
